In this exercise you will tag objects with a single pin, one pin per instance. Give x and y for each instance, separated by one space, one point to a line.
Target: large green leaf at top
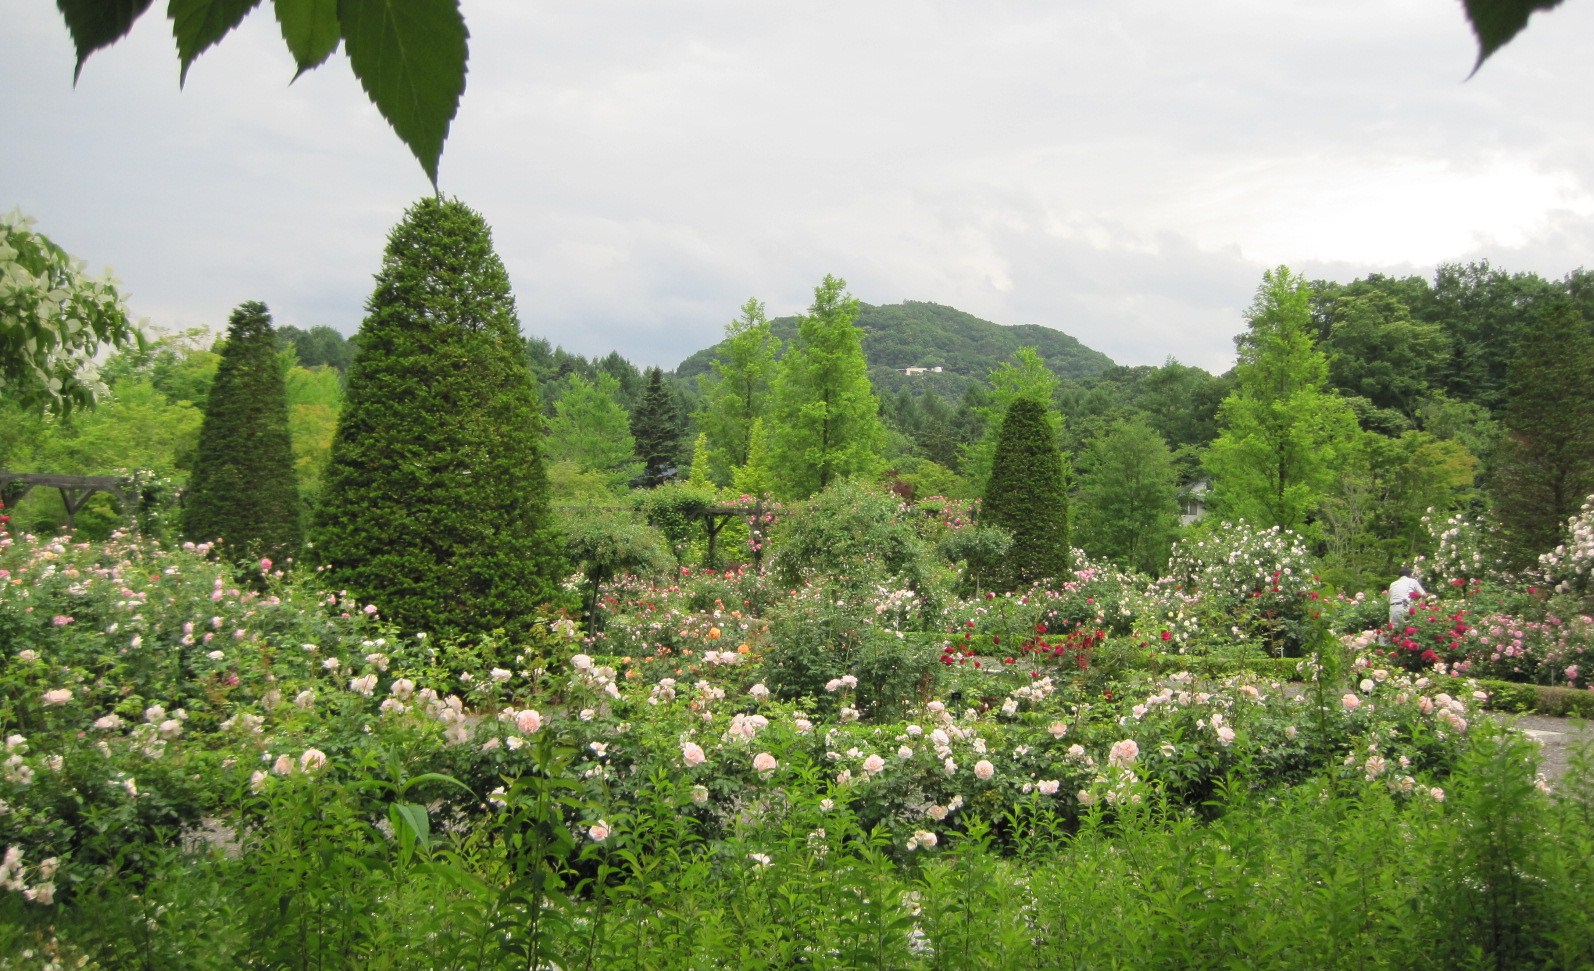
311 30
410 57
1497 21
98 23
198 24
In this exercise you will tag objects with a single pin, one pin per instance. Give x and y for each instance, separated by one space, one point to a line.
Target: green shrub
435 502
242 493
1027 496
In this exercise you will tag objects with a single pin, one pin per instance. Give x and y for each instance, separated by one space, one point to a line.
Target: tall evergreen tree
435 503
825 420
242 491
656 426
1545 462
1283 436
737 393
1027 494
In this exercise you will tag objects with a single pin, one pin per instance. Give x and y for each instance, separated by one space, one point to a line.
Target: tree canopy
53 320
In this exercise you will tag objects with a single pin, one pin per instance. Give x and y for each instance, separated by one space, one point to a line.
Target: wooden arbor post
75 490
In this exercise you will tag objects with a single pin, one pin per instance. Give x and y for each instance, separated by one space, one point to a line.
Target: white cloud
1123 172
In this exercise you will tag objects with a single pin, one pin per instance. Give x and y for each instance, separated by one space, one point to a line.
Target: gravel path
1557 738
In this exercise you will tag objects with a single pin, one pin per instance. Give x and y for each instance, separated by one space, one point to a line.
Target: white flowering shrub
1570 566
1459 558
1262 582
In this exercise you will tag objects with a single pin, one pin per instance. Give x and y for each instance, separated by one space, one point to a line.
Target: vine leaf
311 30
1497 21
410 57
94 24
199 24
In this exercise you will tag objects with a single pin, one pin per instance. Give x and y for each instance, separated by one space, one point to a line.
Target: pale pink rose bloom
764 762
1086 798
312 759
1350 702
983 770
283 765
402 688
599 831
1123 752
904 752
700 795
1225 735
1437 794
257 781
528 720
692 753
873 764
936 813
1047 787
58 696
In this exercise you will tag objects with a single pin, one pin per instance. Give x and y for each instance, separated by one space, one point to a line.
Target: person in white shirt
1402 592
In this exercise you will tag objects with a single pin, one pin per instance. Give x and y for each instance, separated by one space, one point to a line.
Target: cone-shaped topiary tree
435 502
242 492
1027 495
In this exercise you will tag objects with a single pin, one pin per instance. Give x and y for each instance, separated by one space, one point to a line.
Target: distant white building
1193 503
910 371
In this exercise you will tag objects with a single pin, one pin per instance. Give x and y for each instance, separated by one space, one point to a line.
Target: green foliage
1127 498
1025 376
318 346
673 509
824 419
855 531
1545 465
737 393
656 426
605 544
590 430
1284 437
409 56
1027 495
1376 350
435 503
242 493
919 334
755 478
54 319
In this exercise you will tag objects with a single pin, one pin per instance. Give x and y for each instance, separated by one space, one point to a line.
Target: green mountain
913 334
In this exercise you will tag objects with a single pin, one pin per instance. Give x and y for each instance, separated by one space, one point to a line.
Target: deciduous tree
825 420
1283 436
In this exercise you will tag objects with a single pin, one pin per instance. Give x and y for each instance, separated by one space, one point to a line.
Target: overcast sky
1120 171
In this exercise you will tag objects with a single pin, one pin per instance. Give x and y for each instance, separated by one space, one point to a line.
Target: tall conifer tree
738 392
656 425
435 504
825 420
1545 462
1027 495
242 491
1284 437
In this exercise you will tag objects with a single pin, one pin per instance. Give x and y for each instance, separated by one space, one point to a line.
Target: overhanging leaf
98 23
1497 21
198 24
410 57
310 29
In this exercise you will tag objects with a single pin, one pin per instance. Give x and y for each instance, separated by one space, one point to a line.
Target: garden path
1557 738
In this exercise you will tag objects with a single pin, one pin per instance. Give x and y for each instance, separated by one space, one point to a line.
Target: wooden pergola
75 490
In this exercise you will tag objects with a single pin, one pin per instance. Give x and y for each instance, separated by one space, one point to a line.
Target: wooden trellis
75 490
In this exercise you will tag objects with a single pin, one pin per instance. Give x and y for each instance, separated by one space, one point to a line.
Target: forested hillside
915 334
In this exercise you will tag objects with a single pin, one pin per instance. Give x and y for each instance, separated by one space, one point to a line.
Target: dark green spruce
1027 495
242 494
656 426
435 503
